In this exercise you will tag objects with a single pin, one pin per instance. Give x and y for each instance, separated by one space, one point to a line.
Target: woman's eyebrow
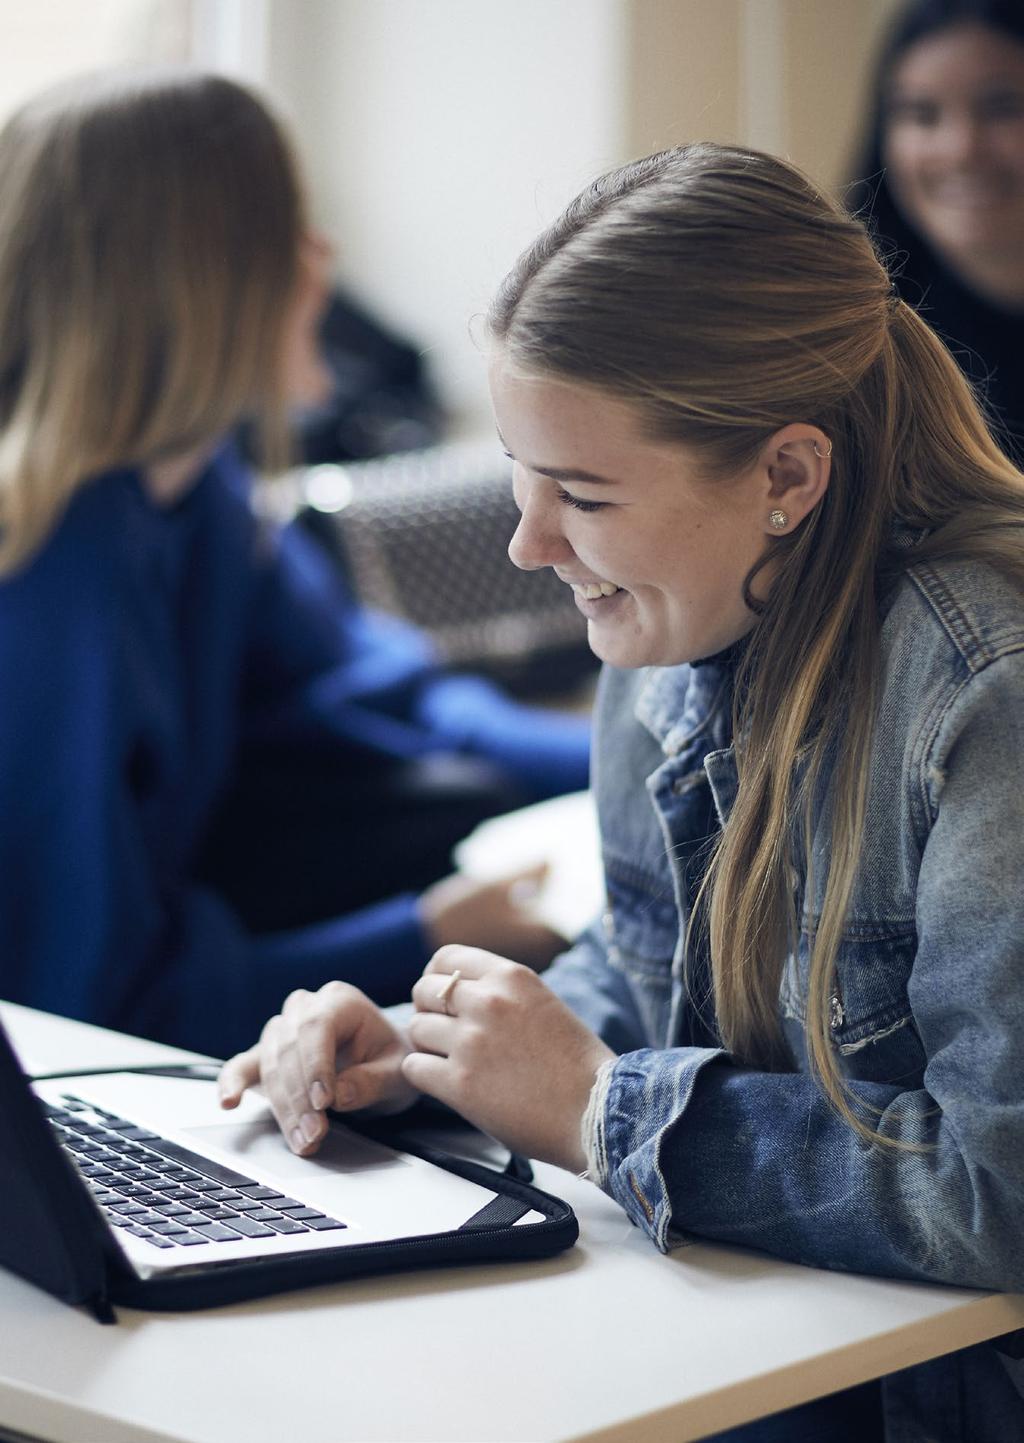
560 473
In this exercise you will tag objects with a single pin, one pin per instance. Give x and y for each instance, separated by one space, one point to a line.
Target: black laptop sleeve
52 1233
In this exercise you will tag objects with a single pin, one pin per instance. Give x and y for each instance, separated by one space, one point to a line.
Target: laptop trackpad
260 1143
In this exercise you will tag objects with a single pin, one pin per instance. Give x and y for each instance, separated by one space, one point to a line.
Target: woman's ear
797 464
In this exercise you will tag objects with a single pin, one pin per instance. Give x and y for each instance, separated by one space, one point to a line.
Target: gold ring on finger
445 992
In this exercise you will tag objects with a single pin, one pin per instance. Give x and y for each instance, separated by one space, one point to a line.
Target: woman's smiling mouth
593 590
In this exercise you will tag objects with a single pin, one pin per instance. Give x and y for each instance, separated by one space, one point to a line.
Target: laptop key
323 1224
250 1229
262 1193
286 1225
217 1233
176 1193
132 1133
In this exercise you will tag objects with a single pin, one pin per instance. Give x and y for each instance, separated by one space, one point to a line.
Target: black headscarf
987 340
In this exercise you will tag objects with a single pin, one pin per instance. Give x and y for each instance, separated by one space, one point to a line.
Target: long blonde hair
723 296
149 240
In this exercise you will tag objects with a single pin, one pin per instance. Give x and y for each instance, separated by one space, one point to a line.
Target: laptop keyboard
166 1194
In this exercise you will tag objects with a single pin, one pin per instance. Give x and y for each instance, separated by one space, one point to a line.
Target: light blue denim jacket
928 1015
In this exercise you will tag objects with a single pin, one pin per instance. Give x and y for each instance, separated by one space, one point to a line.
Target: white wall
45 40
439 136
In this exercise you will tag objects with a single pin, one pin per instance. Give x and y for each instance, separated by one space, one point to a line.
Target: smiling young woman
954 151
796 1025
666 554
941 174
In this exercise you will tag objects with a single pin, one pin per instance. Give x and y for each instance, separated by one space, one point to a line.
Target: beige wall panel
782 75
828 48
682 72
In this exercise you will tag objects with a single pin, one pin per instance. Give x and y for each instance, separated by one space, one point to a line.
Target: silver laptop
184 1185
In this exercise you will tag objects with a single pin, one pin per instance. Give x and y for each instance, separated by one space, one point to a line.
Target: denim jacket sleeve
692 1144
598 993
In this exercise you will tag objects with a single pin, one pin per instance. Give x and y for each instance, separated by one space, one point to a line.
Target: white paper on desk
563 833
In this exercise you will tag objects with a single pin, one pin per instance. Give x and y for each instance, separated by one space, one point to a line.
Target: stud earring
779 520
823 455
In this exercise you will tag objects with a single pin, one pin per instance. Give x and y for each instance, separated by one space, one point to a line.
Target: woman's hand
497 916
501 1049
332 1048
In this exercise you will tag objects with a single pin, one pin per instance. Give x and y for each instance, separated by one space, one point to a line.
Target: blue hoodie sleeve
323 665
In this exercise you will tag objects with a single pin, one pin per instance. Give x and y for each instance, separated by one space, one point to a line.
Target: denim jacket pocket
870 1018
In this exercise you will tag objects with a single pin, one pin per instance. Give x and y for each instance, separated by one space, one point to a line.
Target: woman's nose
961 139
537 541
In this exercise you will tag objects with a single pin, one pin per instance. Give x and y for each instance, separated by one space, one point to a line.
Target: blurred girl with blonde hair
174 671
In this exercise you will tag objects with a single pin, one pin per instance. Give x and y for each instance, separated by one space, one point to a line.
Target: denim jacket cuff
640 1096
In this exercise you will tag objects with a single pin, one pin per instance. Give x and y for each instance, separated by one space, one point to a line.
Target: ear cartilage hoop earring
823 455
779 520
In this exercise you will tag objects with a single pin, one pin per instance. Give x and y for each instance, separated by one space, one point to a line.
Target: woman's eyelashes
566 497
576 502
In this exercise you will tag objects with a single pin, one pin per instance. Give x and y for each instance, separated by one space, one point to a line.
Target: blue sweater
139 649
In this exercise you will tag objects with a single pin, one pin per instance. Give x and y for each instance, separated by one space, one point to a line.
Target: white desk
609 1342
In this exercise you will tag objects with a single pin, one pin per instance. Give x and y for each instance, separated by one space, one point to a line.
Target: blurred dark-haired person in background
941 173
